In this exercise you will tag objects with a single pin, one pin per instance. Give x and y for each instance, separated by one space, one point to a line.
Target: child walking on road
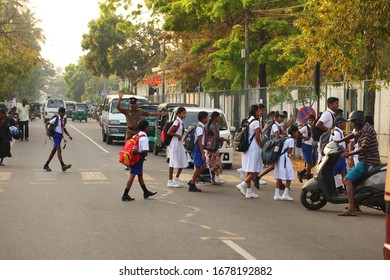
137 169
60 129
198 152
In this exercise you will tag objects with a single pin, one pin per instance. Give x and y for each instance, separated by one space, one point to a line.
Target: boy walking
60 129
198 153
137 169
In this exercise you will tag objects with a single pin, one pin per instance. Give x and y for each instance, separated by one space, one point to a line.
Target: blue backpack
189 138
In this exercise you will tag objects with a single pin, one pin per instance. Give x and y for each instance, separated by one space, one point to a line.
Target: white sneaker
251 195
173 184
287 198
242 174
277 197
178 182
262 182
241 189
219 180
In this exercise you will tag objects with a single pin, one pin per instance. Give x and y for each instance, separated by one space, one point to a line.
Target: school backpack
127 155
272 150
325 139
52 127
316 132
300 139
165 137
241 141
189 138
266 135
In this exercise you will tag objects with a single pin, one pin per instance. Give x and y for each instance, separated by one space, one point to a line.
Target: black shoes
300 175
66 166
192 187
149 193
46 167
256 182
127 198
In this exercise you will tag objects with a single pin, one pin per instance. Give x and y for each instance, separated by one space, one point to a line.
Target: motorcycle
369 190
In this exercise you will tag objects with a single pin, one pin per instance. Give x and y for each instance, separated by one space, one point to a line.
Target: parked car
225 131
152 120
162 120
80 112
113 122
51 108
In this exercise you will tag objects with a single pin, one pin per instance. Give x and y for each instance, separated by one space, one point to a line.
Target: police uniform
133 116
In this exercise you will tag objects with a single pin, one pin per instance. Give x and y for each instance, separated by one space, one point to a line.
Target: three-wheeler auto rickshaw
80 112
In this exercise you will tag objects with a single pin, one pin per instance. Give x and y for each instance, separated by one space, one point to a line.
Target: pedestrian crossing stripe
5 176
87 176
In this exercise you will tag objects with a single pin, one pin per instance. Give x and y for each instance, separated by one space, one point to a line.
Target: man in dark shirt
368 155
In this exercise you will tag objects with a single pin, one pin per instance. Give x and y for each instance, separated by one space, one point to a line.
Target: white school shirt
143 142
179 126
327 118
276 127
58 127
252 128
337 134
305 132
200 130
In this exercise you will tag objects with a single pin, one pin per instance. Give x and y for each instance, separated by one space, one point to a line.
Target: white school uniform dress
283 167
177 154
251 159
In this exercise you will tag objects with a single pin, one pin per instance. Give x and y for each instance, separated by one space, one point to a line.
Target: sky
63 23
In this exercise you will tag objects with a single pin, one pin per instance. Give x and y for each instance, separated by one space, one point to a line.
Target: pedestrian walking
5 136
137 169
60 129
23 113
284 170
177 155
252 162
215 163
198 151
308 151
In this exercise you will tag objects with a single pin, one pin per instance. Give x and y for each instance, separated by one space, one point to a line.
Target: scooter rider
368 155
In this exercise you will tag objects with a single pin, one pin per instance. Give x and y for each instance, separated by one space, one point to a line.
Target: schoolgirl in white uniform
177 154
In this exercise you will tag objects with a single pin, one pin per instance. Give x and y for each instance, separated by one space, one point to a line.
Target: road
78 214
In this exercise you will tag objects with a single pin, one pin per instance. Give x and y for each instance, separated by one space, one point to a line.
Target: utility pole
246 82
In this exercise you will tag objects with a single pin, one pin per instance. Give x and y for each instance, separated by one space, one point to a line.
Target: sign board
304 113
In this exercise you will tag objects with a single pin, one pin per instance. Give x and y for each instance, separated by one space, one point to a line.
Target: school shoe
219 180
172 184
193 188
256 182
149 193
66 166
242 189
277 197
46 167
251 195
263 182
127 198
287 197
178 182
241 173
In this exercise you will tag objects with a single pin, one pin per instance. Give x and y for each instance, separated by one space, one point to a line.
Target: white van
50 108
225 131
113 122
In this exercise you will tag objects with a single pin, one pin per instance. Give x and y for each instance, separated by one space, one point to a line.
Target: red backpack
126 155
165 137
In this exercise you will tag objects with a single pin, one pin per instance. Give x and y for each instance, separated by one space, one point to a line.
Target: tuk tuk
69 108
152 120
80 112
35 110
162 120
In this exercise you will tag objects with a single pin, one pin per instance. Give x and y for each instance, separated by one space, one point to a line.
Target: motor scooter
369 190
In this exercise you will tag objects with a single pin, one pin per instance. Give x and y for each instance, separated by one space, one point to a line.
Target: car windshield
192 117
125 104
81 107
55 103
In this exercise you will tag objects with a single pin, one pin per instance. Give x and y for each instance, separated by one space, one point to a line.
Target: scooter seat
372 171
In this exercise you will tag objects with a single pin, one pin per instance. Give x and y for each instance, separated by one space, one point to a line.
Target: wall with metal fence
235 103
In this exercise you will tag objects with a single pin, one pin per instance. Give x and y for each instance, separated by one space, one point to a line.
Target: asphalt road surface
78 214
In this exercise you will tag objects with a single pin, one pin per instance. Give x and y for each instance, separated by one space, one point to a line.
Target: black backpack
52 127
316 132
189 138
272 150
241 141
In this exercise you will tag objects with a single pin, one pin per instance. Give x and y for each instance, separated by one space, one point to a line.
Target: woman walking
215 163
5 136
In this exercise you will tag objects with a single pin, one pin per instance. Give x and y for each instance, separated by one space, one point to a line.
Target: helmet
356 116
15 132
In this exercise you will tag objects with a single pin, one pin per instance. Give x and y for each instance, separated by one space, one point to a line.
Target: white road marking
5 176
239 250
89 138
93 176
